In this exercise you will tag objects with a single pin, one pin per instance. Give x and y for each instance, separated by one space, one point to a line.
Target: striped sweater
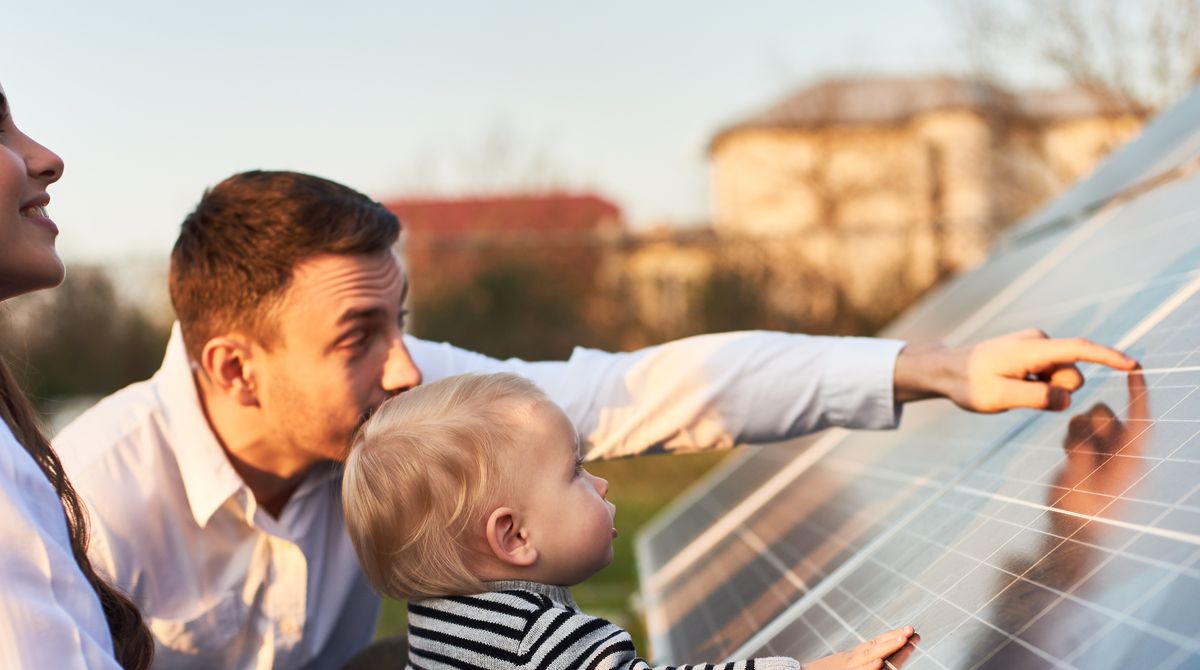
524 625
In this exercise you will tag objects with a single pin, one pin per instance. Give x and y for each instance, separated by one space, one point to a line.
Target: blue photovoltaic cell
969 527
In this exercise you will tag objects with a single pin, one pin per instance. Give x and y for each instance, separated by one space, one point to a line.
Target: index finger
1139 398
1047 353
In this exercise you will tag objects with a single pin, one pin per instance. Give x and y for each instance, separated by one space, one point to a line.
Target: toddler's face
569 520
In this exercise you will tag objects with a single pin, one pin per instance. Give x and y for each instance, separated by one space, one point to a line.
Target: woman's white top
50 616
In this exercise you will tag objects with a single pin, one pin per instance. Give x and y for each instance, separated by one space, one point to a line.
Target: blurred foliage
80 339
509 309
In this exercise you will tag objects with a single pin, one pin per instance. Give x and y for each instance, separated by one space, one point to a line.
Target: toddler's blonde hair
421 474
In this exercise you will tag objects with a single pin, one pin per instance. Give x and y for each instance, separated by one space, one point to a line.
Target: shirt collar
208 477
559 595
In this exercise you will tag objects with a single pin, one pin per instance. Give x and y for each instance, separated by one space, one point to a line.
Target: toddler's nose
601 485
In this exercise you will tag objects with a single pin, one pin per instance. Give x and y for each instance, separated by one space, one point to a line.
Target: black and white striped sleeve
561 639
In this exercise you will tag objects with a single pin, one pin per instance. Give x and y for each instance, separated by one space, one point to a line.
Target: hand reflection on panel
1087 486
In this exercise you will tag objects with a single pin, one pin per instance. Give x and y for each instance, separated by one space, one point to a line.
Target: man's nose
400 373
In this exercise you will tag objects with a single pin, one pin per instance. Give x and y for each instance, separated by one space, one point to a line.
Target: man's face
339 352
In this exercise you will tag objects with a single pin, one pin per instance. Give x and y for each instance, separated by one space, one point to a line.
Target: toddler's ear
508 540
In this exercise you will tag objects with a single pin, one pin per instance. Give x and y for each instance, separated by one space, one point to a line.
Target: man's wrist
923 371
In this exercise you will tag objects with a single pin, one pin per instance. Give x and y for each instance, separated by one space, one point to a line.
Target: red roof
516 213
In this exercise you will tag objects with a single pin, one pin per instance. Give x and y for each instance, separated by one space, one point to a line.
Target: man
214 485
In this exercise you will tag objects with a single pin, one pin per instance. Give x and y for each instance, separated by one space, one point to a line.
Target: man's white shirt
223 584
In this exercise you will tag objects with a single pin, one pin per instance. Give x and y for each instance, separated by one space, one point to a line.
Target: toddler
468 498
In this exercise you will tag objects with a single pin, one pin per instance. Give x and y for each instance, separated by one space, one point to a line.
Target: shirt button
289 627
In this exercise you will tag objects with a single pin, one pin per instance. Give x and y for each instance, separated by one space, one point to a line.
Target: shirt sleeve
703 392
50 616
560 639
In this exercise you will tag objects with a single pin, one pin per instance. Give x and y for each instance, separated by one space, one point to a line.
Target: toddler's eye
578 467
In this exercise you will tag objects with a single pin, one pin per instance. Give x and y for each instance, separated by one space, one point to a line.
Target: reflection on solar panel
1022 540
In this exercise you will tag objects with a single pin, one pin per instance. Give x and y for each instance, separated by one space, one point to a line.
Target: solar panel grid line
650 607
710 484
824 533
951 549
1102 374
1177 172
1029 279
1153 241
1179 536
1189 538
948 548
1125 497
1017 527
702 544
717 482
1178 501
1115 616
707 540
1165 142
753 540
1051 262
780 621
1154 318
829 543
686 498
967 613
1032 315
1185 643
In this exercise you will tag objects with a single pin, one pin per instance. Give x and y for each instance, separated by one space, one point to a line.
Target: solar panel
746 471
956 522
1168 143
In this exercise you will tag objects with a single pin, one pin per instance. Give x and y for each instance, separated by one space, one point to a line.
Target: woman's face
28 260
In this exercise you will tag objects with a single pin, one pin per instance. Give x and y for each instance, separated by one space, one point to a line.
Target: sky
149 103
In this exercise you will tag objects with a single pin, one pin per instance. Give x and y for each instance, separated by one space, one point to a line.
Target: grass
639 487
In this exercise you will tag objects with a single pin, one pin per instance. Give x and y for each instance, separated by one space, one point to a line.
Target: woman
56 612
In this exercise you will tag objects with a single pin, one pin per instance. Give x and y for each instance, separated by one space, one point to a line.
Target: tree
80 339
523 308
1133 56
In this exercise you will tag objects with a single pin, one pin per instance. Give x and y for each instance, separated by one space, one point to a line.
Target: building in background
447 242
512 275
862 193
833 209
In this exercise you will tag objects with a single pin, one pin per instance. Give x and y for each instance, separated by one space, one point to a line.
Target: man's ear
228 366
508 539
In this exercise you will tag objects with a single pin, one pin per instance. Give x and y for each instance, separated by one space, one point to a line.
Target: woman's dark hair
132 644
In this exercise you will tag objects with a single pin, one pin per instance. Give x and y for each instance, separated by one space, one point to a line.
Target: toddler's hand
867 656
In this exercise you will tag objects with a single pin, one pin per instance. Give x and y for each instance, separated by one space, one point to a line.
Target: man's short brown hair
237 250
